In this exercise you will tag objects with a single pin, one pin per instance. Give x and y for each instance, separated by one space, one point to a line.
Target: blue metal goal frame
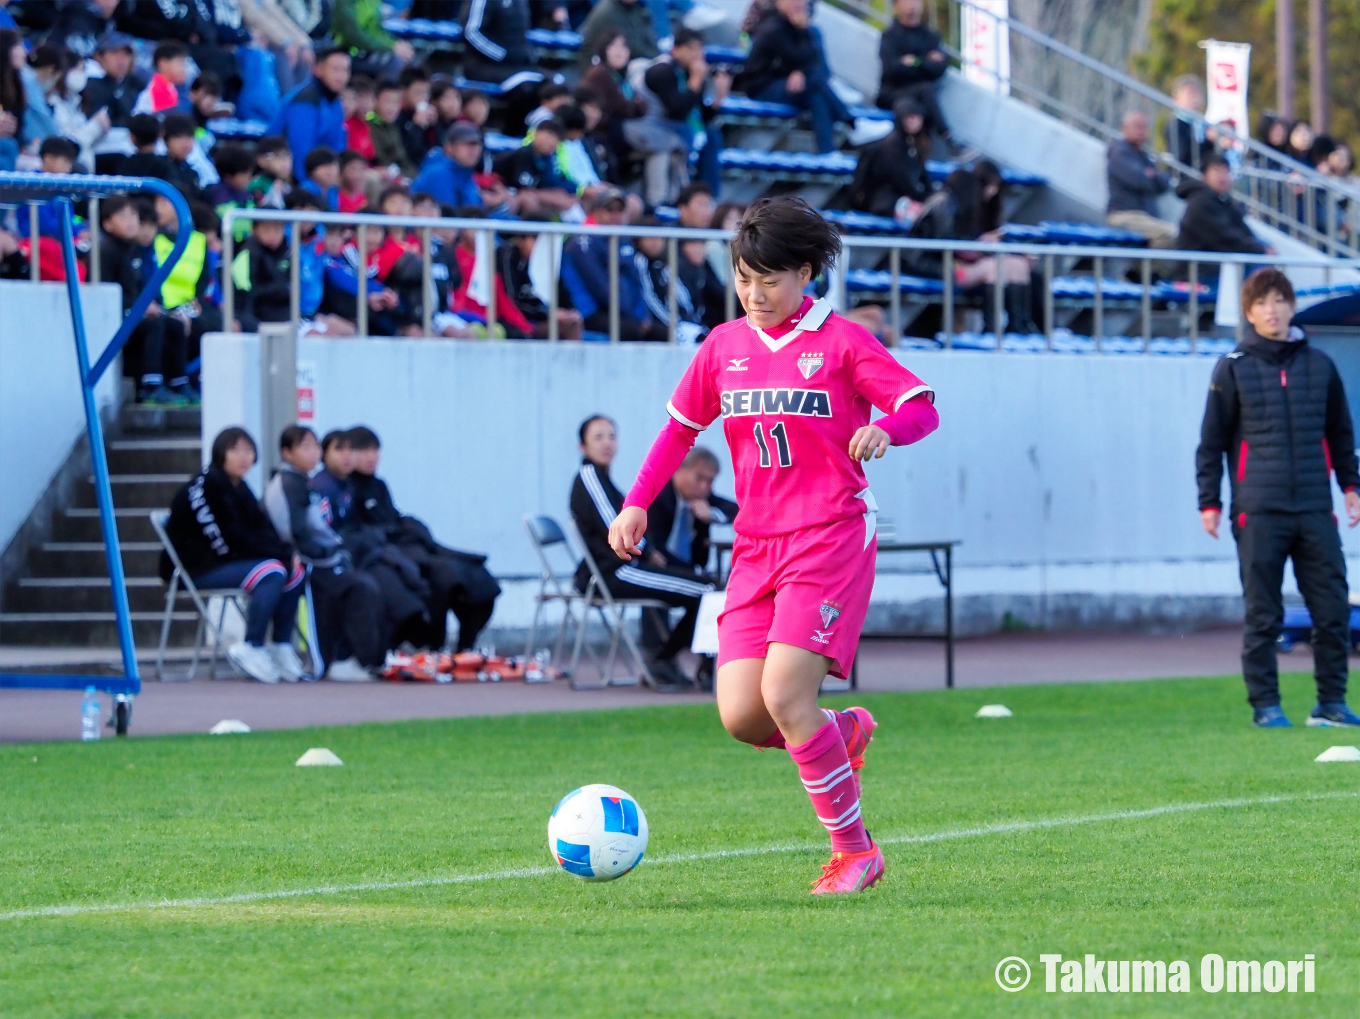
64 189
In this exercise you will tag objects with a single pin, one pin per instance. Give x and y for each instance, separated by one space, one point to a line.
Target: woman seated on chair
224 540
595 501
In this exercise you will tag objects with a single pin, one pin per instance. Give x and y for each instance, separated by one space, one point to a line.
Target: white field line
513 873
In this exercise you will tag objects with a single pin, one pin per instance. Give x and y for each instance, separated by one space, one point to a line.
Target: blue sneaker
1336 714
1273 717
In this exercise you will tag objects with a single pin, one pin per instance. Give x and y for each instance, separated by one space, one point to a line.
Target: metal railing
1046 261
1036 62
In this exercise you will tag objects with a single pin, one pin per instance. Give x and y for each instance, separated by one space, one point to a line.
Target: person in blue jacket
311 115
585 273
448 172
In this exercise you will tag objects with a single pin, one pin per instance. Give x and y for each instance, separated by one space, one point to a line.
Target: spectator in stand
39 70
340 285
311 114
159 342
77 26
914 63
359 100
113 87
205 100
260 275
476 109
273 181
628 18
234 167
890 178
1212 220
786 65
727 216
449 174
1301 138
585 273
347 637
162 93
707 292
448 106
323 177
145 132
186 159
351 196
458 581
652 266
418 116
224 539
552 96
513 259
533 172
184 293
496 34
13 102
680 518
311 262
385 132
1135 183
1185 132
509 319
675 99
445 275
578 158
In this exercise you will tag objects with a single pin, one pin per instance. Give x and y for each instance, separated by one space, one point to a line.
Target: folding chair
554 585
233 596
611 613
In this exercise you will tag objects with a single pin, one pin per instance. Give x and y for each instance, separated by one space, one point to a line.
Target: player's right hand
627 530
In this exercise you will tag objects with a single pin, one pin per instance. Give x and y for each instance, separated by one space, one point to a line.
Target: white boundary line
510 874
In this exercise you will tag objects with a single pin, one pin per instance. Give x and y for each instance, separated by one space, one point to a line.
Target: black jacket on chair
1279 412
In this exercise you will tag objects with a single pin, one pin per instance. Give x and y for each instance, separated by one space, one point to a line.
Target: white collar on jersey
814 320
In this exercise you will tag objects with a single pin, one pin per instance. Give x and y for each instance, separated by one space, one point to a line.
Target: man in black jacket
458 581
1135 183
261 275
913 61
679 521
894 168
1278 409
674 92
1212 220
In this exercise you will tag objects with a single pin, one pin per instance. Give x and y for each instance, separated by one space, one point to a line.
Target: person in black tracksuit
595 502
497 49
1277 408
458 581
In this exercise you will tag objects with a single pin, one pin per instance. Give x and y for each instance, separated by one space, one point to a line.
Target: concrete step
156 455
90 629
152 491
182 421
82 524
86 559
84 594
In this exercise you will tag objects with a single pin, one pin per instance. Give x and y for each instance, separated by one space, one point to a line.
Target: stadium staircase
61 595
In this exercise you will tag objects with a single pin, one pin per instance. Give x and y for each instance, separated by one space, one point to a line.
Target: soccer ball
597 832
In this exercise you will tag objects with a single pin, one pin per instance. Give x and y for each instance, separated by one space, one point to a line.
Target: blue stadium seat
871 281
495 142
491 88
229 127
554 42
726 55
425 30
1090 234
863 223
836 167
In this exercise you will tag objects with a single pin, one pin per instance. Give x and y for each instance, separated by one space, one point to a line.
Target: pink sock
775 741
824 767
845 722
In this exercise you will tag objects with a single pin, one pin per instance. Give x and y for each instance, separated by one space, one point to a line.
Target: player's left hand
869 442
1353 507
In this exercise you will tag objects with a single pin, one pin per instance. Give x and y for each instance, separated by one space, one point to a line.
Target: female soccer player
793 383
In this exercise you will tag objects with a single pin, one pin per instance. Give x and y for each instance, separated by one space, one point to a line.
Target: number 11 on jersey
781 441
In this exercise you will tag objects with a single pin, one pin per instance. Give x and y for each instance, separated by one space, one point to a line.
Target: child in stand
358 100
162 93
274 161
350 196
323 177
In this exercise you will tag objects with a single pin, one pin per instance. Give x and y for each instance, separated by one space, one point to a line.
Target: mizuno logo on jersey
738 364
800 402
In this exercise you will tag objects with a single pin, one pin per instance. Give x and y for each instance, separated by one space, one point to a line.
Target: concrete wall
41 413
1069 480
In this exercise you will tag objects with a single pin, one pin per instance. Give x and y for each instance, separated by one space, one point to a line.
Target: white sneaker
286 662
867 130
702 17
348 670
254 661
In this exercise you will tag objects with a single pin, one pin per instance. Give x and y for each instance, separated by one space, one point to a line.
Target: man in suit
678 522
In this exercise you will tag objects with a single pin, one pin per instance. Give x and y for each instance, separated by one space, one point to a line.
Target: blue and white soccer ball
597 832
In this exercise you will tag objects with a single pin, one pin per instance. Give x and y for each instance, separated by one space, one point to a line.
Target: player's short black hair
319 156
783 233
226 441
145 129
232 159
62 148
292 436
363 437
169 51
180 125
585 425
335 437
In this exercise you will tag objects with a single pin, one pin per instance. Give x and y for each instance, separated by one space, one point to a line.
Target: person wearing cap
585 274
533 172
113 86
449 172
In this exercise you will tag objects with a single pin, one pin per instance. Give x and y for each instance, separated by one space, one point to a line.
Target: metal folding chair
555 583
611 612
201 597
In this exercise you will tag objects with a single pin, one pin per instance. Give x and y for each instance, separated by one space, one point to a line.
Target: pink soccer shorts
809 588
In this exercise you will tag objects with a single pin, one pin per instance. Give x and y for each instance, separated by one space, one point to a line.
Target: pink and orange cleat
850 872
859 740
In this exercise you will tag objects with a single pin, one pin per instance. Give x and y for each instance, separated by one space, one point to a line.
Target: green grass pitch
427 803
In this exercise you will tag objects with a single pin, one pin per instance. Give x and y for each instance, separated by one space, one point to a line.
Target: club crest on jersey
830 613
815 403
809 363
738 364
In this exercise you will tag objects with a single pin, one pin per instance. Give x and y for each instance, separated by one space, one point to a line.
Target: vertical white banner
986 44
483 269
1226 81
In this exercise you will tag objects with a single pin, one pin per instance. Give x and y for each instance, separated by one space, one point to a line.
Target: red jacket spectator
359 138
507 311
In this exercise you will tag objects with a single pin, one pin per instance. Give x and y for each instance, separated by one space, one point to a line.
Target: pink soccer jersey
789 407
